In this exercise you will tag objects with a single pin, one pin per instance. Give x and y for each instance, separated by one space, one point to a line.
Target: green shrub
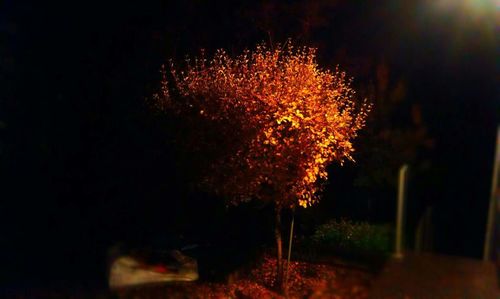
354 237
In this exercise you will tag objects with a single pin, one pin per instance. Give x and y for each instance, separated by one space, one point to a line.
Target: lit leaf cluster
281 120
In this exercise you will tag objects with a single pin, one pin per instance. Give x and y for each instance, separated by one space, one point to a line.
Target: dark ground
436 276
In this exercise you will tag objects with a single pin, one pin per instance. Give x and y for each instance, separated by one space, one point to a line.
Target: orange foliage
283 120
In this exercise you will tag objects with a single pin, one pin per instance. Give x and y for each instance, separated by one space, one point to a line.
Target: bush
346 236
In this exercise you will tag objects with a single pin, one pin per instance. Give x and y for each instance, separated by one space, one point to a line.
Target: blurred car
139 268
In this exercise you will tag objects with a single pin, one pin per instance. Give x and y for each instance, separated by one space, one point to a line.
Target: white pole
492 207
400 211
289 249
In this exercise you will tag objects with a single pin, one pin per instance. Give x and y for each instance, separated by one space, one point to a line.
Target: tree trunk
279 250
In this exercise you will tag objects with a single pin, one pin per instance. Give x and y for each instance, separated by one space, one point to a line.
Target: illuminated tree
279 121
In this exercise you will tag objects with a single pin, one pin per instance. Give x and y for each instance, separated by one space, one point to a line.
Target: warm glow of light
475 8
463 22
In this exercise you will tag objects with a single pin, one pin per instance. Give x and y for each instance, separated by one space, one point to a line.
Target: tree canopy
279 119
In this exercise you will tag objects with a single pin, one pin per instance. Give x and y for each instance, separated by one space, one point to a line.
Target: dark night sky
82 165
